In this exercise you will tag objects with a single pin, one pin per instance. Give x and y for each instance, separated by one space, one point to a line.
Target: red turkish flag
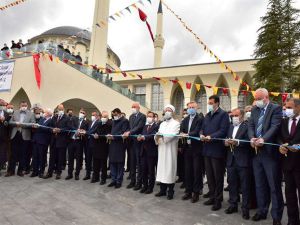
36 62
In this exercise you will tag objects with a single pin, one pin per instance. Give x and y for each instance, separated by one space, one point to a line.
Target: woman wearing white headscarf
167 153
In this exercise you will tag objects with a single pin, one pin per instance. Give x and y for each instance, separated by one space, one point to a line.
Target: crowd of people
257 147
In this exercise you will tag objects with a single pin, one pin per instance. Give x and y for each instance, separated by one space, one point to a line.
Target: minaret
98 45
159 41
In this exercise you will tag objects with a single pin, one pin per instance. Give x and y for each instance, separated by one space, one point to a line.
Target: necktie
260 123
293 127
148 127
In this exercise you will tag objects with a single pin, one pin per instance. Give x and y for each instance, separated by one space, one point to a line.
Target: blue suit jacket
43 135
243 152
215 125
271 125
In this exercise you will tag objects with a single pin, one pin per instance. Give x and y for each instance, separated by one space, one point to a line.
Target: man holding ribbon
290 139
263 128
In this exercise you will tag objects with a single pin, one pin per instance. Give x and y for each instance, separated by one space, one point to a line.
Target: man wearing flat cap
167 142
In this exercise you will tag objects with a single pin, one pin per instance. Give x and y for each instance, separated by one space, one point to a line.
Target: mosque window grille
157 98
140 94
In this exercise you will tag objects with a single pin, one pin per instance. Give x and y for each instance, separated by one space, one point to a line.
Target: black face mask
70 114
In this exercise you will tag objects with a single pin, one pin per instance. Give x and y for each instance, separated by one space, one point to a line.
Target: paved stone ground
35 201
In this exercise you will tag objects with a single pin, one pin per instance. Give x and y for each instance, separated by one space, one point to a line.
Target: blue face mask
191 111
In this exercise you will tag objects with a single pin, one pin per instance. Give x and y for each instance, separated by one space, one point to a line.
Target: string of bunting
207 49
15 3
120 13
183 84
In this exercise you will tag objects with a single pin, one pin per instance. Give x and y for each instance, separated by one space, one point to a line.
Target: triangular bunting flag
215 90
188 85
198 87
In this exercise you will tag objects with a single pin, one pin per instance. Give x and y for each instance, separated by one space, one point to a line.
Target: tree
291 48
277 47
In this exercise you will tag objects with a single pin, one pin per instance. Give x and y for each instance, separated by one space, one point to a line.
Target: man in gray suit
21 123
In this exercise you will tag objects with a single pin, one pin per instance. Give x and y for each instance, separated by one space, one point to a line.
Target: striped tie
260 123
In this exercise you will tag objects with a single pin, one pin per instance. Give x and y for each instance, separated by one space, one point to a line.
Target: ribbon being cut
186 137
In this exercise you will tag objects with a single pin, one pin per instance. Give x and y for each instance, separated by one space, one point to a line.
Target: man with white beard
167 142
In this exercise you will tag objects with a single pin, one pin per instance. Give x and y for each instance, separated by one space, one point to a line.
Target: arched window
178 100
225 100
201 99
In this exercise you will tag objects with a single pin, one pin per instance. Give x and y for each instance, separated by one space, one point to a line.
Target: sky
228 27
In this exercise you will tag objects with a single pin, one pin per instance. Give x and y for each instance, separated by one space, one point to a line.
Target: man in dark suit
149 154
215 125
238 163
191 126
4 132
41 140
263 126
21 123
290 135
137 121
76 144
117 148
59 142
100 149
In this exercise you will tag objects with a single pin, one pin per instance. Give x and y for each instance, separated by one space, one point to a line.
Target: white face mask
168 115
210 108
10 111
24 108
104 120
248 115
37 116
289 113
81 115
185 115
235 121
149 120
93 118
116 117
61 112
260 104
134 110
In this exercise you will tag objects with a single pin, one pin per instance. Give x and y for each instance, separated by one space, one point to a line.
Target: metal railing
56 51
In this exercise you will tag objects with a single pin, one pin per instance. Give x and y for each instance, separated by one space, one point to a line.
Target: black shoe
143 190
209 202
127 170
47 176
207 195
34 175
258 217
187 196
41 175
94 180
129 177
246 215
131 185
112 184
20 174
160 194
195 198
137 187
149 191
276 222
87 177
69 177
57 177
170 197
76 177
182 186
226 188
103 182
118 186
216 206
231 209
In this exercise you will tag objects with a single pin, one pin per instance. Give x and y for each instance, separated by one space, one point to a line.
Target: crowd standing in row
254 145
